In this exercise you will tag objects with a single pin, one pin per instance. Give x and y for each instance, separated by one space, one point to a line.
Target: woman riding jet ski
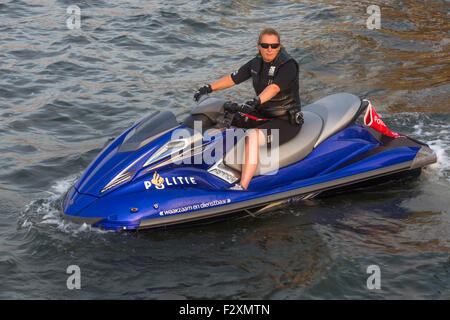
276 105
164 172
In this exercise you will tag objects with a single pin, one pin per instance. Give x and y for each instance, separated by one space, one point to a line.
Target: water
65 93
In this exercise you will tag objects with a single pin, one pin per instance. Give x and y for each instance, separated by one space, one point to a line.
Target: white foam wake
47 210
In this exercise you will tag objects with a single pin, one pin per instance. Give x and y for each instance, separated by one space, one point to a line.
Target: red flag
371 119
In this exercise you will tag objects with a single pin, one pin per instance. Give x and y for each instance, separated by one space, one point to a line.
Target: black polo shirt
283 78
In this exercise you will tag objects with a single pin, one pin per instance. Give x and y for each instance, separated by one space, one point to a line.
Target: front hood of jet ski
108 165
122 159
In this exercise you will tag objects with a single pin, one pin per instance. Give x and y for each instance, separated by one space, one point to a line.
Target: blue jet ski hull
133 185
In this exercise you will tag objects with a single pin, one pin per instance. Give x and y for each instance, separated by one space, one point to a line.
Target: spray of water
46 210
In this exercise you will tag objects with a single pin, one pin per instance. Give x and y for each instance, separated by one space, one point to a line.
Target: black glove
255 102
203 90
231 107
247 107
251 105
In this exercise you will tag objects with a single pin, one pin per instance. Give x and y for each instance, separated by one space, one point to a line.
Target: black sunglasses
266 45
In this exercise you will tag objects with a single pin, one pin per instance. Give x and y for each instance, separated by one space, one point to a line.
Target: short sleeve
242 74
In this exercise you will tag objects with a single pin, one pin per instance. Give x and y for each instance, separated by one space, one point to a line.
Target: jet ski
162 172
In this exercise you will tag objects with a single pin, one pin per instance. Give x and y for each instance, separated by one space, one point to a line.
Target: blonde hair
269 31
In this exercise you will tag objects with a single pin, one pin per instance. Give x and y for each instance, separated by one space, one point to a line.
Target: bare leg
253 141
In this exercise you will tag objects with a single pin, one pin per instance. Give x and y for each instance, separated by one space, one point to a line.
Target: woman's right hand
203 90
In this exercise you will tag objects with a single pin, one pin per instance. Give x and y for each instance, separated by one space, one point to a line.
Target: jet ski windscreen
149 129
